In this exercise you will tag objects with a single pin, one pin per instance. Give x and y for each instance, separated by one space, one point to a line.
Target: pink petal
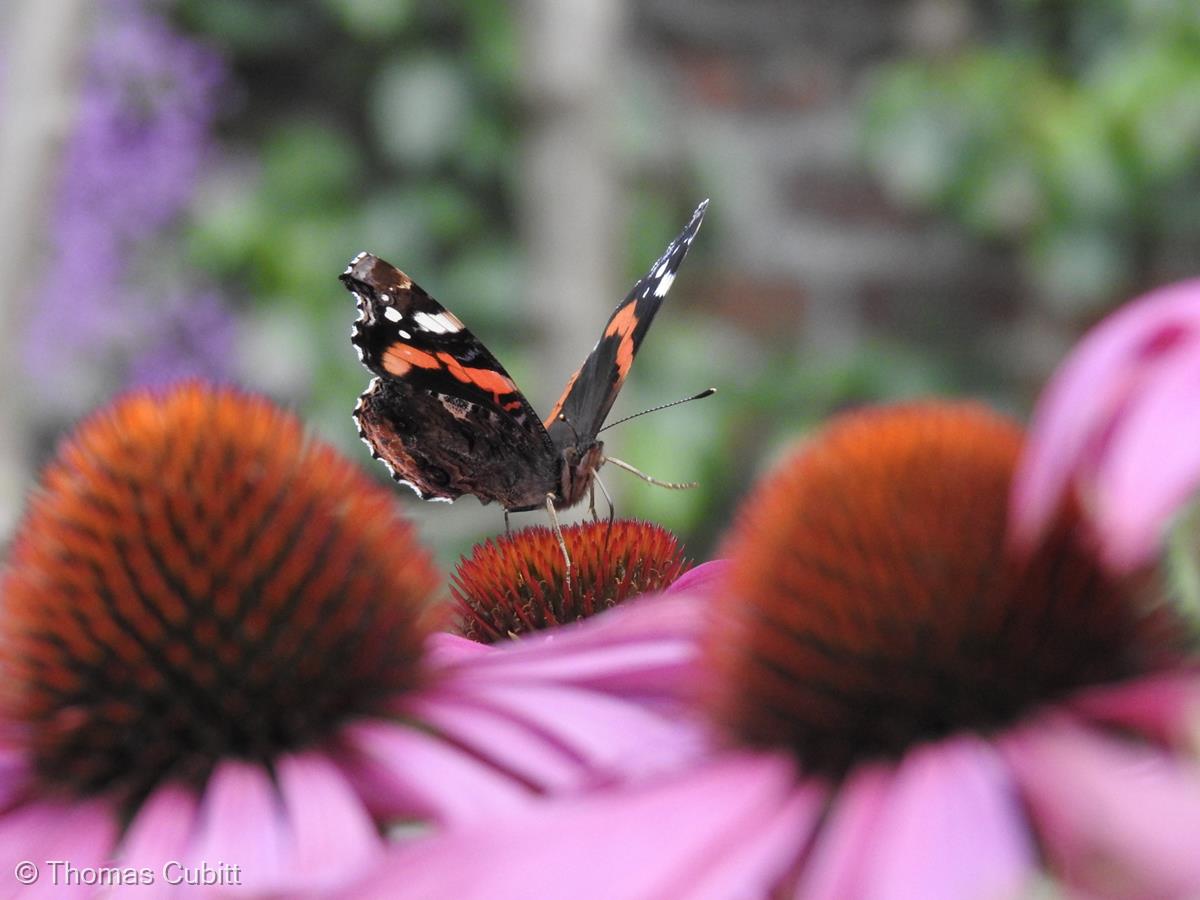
242 824
644 649
1115 817
835 868
401 772
740 820
443 648
642 670
52 835
333 838
1083 403
508 744
160 831
603 734
1163 707
952 827
701 579
649 618
1152 465
757 855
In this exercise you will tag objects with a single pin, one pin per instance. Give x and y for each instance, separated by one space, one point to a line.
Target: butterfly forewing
591 391
404 333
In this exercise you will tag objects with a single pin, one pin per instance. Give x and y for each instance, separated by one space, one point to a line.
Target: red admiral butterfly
447 420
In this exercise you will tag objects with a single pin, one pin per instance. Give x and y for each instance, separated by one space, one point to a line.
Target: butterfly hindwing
443 447
591 391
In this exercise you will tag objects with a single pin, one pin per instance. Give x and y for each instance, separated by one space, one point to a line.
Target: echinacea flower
904 699
516 584
212 653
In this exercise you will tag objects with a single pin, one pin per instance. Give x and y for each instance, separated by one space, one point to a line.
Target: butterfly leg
673 485
562 544
507 530
611 509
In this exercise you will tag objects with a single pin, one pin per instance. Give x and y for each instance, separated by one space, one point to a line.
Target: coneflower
516 584
211 652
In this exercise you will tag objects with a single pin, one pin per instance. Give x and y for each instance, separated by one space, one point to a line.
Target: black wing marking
590 392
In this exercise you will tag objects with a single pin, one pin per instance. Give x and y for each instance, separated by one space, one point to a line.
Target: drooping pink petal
1132 354
332 837
603 734
443 648
644 649
402 772
492 734
160 831
700 579
835 866
1152 465
1115 817
952 827
1163 707
757 856
242 823
645 842
53 836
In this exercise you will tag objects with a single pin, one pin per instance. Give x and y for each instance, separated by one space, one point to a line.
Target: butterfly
446 418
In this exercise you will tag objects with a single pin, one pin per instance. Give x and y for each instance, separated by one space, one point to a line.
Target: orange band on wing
623 321
487 379
398 359
622 326
562 399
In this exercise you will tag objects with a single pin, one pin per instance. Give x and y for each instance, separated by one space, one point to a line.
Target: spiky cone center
873 602
198 579
516 584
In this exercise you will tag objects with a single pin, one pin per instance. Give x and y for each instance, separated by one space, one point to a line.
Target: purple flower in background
146 105
191 336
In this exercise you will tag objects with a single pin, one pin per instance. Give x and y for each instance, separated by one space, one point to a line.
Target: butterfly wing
591 391
442 413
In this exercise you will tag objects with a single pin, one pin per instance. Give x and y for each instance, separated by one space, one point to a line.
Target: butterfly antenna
707 392
673 485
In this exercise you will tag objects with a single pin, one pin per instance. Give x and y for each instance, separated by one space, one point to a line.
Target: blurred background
908 197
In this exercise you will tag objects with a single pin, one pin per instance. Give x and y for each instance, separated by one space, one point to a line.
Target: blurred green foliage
1183 564
357 124
1072 133
395 126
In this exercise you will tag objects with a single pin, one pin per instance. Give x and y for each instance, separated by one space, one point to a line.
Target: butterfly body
446 418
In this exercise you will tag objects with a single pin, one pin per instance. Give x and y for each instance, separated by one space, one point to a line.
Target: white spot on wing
664 285
404 334
392 314
441 323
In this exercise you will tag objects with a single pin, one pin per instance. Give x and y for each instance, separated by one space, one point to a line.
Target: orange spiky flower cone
516 584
